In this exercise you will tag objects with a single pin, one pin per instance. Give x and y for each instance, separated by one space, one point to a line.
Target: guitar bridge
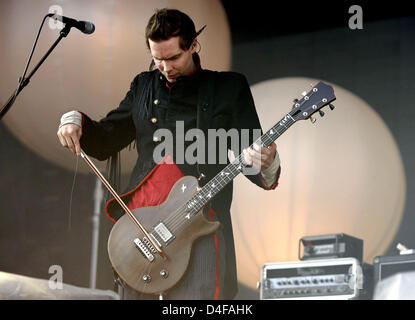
143 249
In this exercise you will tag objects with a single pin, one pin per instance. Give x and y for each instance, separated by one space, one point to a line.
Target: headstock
318 97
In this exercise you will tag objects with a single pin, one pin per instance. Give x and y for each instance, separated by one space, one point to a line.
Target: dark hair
168 23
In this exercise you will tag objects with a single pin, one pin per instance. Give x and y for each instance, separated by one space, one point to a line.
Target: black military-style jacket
206 100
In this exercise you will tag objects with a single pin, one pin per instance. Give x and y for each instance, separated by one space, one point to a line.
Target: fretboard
214 186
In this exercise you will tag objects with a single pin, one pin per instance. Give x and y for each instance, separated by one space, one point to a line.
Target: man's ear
193 46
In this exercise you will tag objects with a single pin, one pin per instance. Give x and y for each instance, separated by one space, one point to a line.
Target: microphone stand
23 82
98 197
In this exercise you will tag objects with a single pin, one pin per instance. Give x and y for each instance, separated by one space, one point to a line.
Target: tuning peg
321 113
331 106
295 102
312 119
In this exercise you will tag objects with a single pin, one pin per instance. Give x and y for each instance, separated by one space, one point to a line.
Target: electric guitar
150 247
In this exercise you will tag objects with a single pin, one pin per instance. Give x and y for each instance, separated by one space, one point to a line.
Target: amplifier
340 278
386 266
328 246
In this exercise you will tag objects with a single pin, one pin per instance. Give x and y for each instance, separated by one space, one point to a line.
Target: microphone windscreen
89 27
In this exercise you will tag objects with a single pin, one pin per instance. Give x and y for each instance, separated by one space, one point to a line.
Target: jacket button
156 101
154 120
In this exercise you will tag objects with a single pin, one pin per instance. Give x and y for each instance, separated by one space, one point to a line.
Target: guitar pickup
163 233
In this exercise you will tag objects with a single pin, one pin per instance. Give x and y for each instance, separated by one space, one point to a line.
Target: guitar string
180 220
71 195
178 213
207 192
177 216
201 194
176 220
175 223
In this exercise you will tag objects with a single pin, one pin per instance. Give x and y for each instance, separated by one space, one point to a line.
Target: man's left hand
260 157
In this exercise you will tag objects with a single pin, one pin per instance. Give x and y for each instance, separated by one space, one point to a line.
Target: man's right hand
69 136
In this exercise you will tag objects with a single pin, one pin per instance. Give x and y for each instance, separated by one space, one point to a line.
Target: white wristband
74 117
268 175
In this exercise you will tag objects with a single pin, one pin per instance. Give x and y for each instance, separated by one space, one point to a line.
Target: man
178 93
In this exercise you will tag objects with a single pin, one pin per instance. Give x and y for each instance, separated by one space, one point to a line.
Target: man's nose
166 66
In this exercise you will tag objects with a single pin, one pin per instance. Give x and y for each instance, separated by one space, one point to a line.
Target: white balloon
344 174
91 73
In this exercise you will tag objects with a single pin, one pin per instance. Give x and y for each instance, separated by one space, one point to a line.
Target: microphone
83 26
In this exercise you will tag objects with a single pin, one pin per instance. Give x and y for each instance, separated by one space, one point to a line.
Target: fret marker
209 195
213 185
188 216
271 131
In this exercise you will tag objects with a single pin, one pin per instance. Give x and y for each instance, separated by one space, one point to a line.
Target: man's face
170 59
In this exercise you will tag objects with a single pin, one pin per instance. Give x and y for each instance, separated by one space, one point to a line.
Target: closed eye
177 56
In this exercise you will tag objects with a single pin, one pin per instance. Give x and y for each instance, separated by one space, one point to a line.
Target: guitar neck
214 186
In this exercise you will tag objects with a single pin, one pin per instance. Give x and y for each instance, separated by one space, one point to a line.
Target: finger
72 134
259 155
265 150
77 142
70 143
269 152
247 157
77 147
272 151
262 159
257 163
259 149
62 139
231 156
